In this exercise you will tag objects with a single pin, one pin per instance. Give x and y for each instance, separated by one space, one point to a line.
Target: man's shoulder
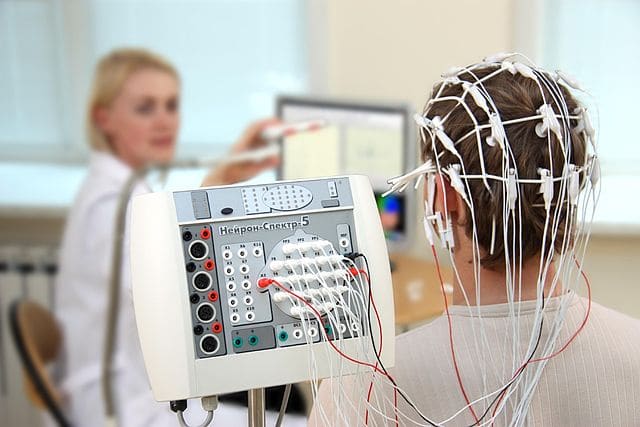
612 319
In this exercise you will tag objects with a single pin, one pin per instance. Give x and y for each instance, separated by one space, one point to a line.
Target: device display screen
371 140
392 209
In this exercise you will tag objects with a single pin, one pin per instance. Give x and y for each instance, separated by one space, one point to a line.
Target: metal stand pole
256 407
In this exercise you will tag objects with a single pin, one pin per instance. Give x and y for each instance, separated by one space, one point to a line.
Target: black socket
198 330
198 250
202 281
194 298
205 312
186 236
191 267
210 344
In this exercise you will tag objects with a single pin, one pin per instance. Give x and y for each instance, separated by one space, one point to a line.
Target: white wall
396 50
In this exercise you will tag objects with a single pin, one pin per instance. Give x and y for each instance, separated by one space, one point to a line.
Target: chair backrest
38 339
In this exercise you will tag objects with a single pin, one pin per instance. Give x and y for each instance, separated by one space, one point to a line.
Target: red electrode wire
564 347
584 322
355 272
453 353
318 316
375 368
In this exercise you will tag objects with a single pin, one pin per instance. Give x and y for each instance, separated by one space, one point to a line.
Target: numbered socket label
240 273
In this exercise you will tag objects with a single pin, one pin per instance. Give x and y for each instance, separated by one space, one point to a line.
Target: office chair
38 339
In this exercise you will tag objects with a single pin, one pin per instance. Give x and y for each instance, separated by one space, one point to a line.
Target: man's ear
445 192
455 204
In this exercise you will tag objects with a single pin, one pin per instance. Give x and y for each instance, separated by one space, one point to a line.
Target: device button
226 211
333 190
200 203
331 203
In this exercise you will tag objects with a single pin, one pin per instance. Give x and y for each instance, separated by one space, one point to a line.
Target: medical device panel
250 286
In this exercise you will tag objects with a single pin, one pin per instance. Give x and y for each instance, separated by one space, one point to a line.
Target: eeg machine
248 286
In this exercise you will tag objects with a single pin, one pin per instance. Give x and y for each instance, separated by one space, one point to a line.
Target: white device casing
163 318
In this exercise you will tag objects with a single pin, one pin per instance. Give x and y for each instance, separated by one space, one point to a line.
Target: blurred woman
133 118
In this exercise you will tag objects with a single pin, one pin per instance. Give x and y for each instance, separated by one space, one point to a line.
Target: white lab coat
81 307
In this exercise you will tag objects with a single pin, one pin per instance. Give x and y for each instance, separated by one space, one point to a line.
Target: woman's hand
236 172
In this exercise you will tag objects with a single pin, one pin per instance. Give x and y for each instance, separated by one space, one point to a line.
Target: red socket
205 233
216 328
209 265
213 296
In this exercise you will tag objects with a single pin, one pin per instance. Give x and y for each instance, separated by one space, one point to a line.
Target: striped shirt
594 382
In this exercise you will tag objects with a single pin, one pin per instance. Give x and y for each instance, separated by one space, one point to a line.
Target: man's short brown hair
514 96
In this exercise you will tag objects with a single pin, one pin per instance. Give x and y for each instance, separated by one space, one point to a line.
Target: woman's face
142 122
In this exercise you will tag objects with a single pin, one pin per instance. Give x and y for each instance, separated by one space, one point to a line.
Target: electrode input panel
238 242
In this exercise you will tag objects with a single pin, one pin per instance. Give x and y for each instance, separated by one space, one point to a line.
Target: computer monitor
370 139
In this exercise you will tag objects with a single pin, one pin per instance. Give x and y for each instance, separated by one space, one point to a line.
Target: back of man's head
472 107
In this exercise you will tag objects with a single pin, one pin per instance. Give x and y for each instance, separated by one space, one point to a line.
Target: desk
416 289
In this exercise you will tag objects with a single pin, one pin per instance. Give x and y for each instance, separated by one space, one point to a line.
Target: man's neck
493 283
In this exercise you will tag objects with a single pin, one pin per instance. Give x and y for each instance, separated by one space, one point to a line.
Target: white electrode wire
543 265
312 363
335 322
337 402
559 216
509 272
506 156
387 400
475 244
554 215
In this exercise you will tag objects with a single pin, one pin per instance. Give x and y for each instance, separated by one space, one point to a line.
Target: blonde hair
110 75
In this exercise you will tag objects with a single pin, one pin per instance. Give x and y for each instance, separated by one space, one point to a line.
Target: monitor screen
372 140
